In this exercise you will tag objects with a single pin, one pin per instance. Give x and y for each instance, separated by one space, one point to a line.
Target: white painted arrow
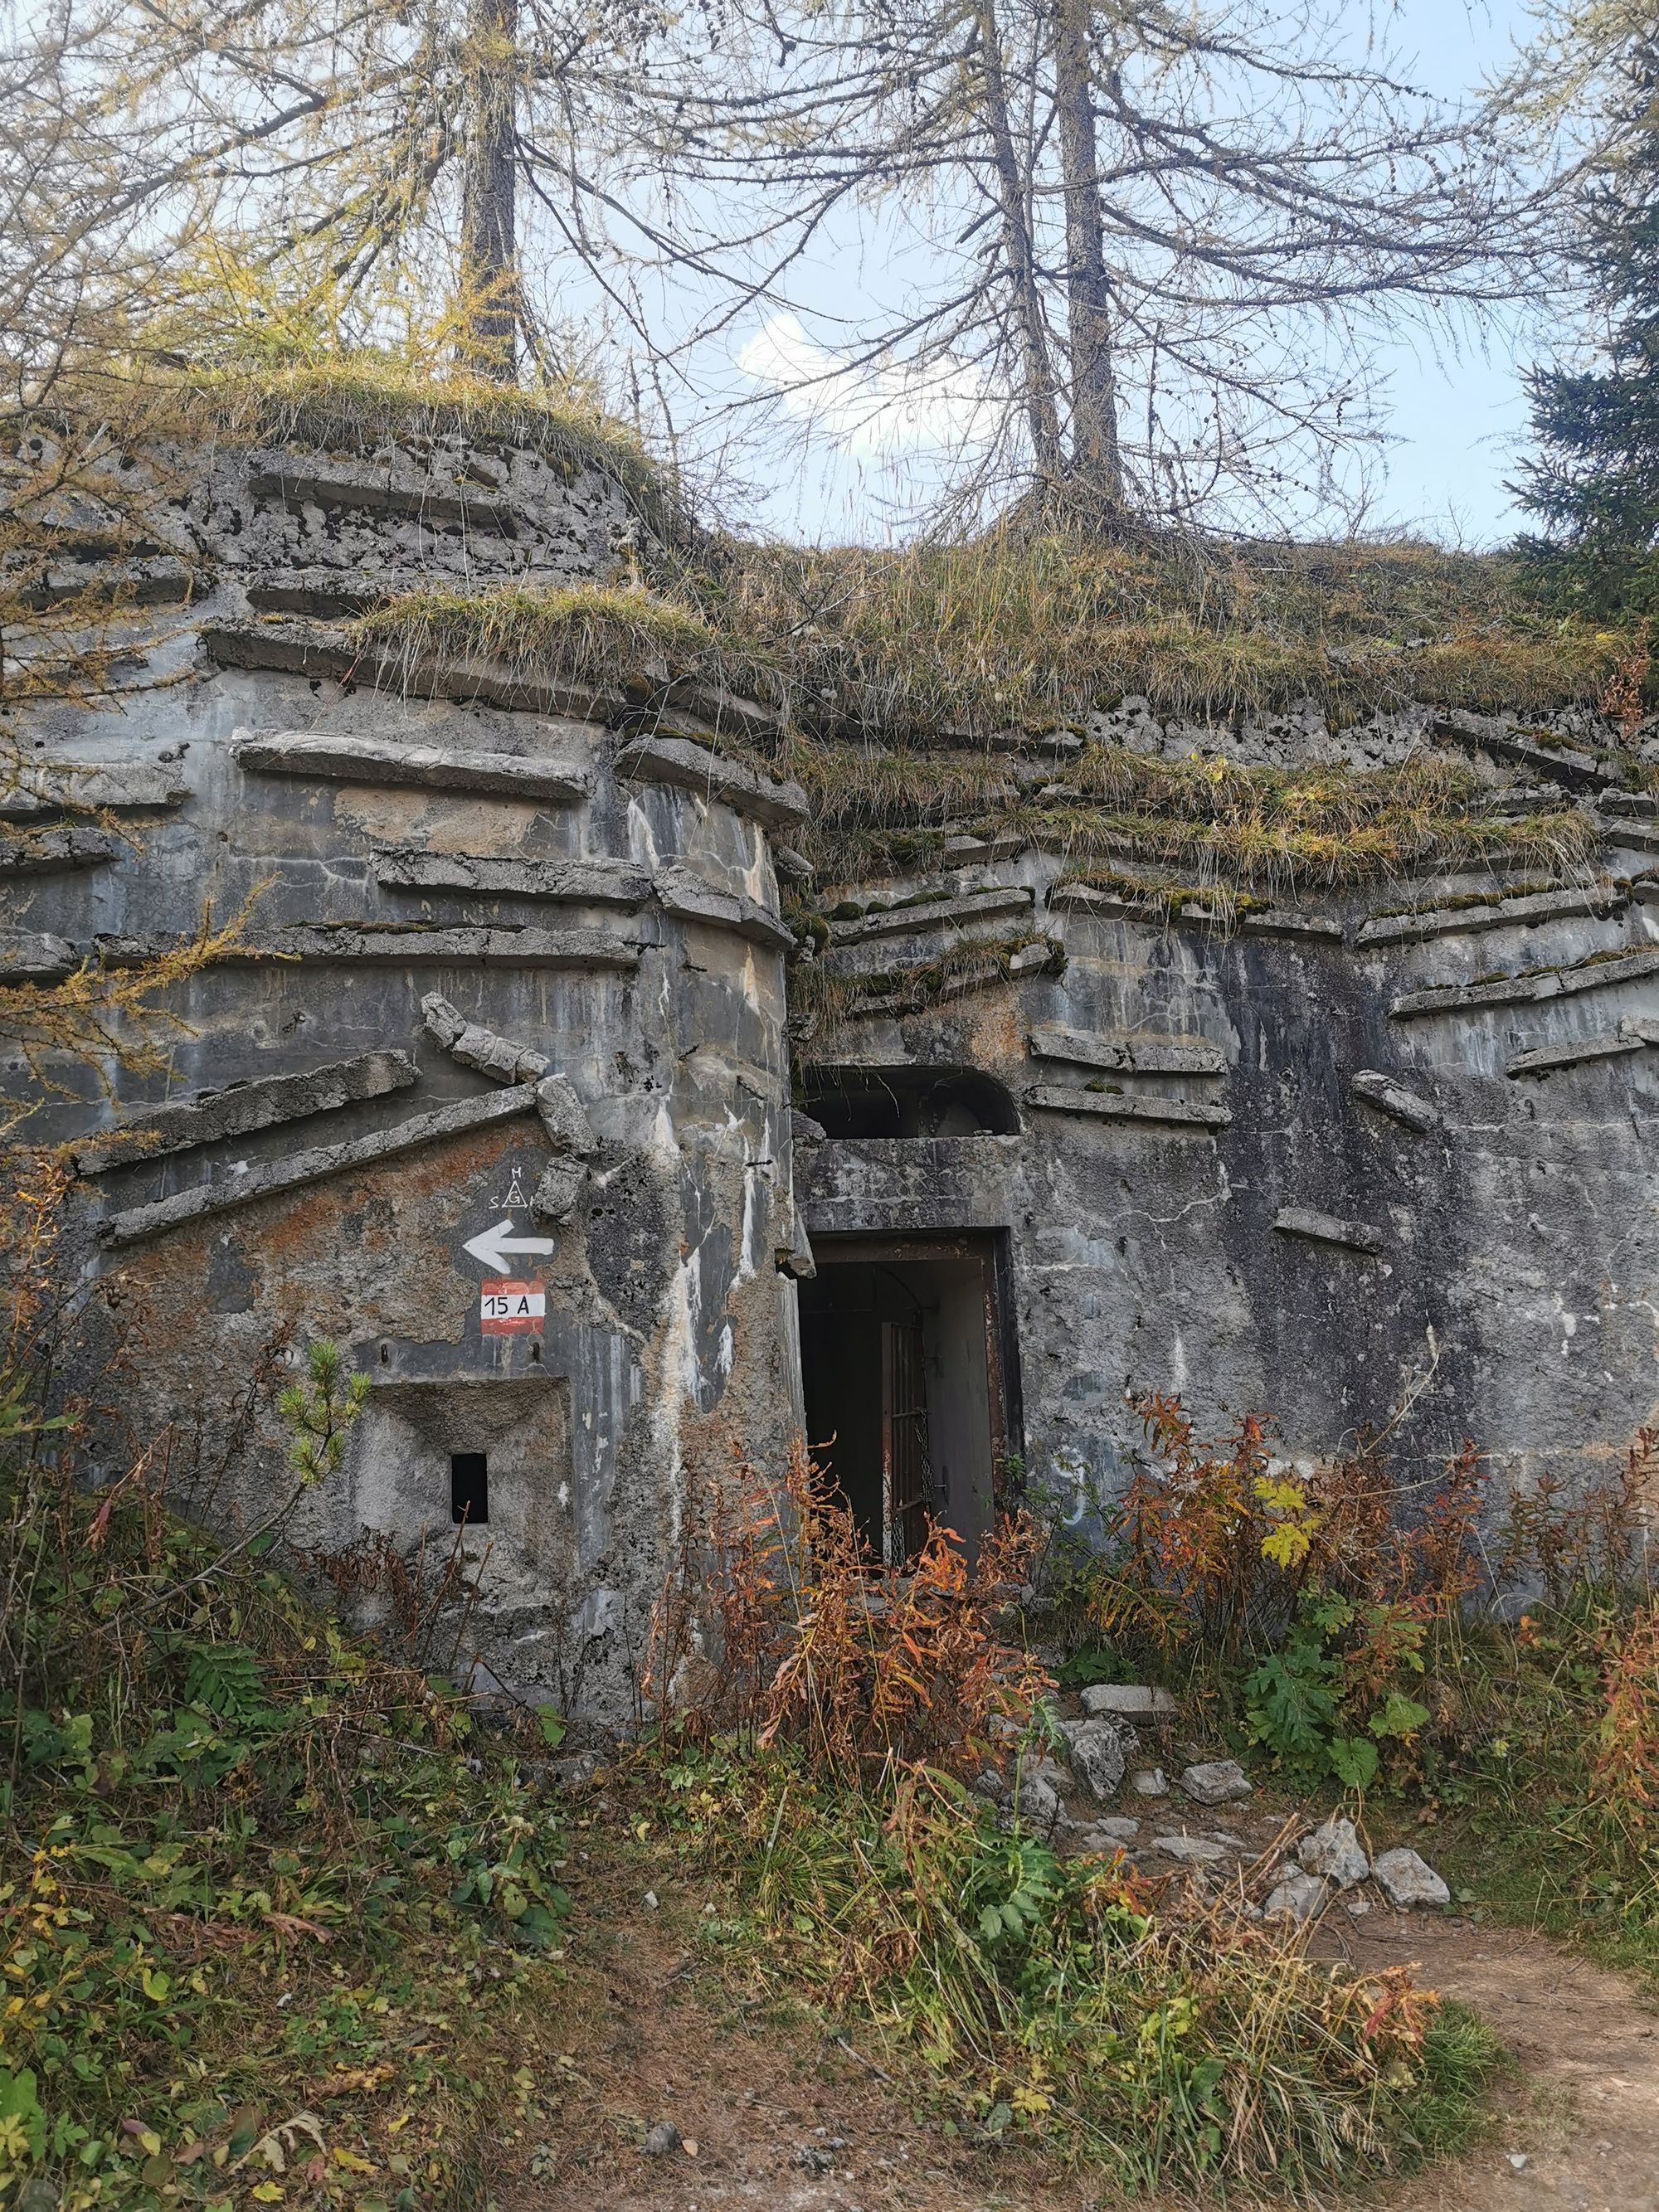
493 1246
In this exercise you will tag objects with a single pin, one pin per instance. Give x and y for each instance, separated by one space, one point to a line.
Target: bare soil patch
784 2116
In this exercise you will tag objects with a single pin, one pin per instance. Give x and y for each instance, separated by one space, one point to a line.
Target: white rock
1191 1850
1133 1701
1120 1832
1149 1782
1095 1751
1037 1795
992 1785
1334 1851
1299 1897
1405 1879
1356 1907
1216 1782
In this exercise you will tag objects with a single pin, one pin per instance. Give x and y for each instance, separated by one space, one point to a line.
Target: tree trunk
1096 463
1040 415
489 279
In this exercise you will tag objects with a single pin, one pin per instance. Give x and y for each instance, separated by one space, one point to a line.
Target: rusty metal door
906 1487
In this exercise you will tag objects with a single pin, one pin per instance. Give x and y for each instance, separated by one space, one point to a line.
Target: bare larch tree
1166 239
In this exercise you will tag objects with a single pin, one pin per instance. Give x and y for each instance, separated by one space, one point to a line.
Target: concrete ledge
687 766
688 896
445 505
575 882
122 787
1391 1098
1030 960
50 850
499 945
1327 1229
1565 764
1278 921
30 955
273 1177
1528 990
1498 914
179 1126
328 593
1629 1036
1130 1055
430 767
1265 921
1635 836
964 849
161 579
1116 906
923 915
300 648
1175 1112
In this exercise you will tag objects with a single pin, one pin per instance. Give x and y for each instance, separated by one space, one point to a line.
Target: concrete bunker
907 1376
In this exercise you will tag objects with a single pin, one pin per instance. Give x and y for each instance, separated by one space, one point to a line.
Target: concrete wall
1499 1271
625 936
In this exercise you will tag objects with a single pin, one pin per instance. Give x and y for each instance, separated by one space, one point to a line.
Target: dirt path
769 2112
1579 2127
783 2119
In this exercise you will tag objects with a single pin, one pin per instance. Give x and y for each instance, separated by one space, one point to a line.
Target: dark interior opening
469 1488
904 1375
909 1102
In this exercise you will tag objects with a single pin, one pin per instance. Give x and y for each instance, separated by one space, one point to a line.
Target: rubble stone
1406 1879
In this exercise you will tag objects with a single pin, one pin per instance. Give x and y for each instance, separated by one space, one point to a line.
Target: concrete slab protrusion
273 1177
554 1196
483 1049
690 767
688 896
1107 1106
1129 1701
1128 1055
344 757
410 944
179 1125
32 955
1558 764
1592 901
1327 1229
1392 1099
565 1118
917 916
574 883
1598 973
121 786
1609 1044
48 851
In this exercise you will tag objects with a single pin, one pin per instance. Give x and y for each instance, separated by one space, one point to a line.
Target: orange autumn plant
779 1619
1219 1543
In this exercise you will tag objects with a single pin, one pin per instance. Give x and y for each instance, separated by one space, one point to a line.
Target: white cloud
897 407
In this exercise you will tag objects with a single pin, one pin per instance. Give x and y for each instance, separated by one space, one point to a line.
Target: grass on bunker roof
923 689
947 646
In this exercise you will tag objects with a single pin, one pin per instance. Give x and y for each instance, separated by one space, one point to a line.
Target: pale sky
1457 421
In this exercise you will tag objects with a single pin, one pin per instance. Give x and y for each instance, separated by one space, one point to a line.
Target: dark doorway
905 1377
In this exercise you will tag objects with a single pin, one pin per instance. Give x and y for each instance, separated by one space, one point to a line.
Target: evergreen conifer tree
1595 481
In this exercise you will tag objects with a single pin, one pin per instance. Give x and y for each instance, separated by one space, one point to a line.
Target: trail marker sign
506 1308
